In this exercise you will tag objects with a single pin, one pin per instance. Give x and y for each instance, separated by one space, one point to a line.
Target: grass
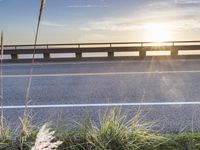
33 57
182 141
25 129
113 131
45 140
1 84
26 119
4 131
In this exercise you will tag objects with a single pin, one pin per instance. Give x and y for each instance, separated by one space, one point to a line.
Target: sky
72 21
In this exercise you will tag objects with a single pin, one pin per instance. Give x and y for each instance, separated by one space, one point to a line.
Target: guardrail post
110 54
142 53
78 55
14 56
46 55
174 52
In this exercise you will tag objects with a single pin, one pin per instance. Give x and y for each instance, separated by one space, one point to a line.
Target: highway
165 91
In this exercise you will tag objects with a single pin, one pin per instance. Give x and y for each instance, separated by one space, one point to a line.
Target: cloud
110 25
187 1
90 4
87 6
51 24
93 37
166 5
158 3
175 23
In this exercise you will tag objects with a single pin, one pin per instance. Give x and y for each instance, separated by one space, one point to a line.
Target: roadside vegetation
113 131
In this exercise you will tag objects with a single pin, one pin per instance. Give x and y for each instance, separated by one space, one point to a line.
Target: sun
158 33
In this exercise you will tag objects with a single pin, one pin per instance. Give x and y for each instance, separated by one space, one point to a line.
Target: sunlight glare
158 33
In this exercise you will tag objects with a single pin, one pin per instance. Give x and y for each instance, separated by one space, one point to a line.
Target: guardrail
138 50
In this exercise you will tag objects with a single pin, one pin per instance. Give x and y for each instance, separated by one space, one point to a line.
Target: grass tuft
117 132
4 131
113 132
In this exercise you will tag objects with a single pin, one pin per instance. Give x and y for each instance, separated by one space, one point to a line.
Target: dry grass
25 120
45 140
114 131
1 80
33 57
2 131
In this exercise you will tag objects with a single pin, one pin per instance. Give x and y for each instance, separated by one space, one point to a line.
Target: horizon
97 21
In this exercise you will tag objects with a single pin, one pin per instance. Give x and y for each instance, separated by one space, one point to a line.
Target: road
167 91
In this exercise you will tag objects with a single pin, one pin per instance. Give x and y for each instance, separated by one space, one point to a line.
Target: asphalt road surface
167 92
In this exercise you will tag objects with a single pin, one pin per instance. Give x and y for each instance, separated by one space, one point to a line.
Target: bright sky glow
158 33
66 21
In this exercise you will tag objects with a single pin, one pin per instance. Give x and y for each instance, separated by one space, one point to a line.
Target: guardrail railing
141 50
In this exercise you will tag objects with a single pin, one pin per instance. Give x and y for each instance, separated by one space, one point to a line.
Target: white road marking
100 74
102 105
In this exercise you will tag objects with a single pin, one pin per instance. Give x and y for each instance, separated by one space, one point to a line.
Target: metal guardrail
110 48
